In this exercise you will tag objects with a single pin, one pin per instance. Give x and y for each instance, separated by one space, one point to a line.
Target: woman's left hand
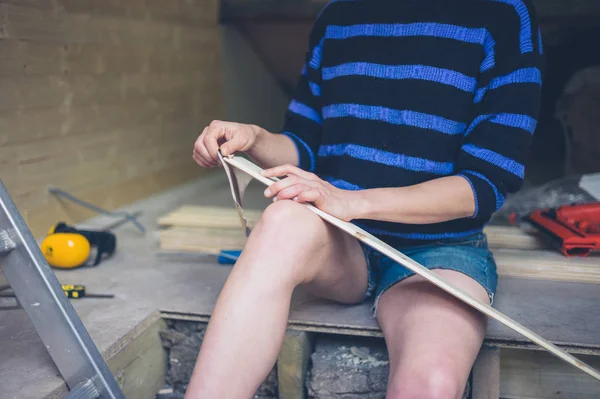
302 186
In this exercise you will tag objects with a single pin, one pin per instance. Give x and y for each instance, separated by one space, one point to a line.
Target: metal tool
126 216
573 229
51 313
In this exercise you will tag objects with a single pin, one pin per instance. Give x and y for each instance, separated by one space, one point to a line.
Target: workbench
149 288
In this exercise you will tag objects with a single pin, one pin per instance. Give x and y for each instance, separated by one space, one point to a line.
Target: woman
413 120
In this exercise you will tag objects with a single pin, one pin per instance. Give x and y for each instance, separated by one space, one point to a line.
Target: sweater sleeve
506 103
303 119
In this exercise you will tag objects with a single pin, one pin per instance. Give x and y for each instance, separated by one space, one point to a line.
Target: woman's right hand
230 137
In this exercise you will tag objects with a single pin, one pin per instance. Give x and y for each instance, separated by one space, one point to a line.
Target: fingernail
267 192
274 199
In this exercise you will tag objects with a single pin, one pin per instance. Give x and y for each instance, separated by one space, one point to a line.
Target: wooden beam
292 364
140 366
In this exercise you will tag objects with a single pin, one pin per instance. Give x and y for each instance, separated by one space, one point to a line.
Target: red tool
575 229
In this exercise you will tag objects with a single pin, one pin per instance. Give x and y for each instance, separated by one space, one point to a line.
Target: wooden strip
253 170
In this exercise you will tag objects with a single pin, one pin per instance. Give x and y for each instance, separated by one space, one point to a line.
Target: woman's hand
302 186
231 137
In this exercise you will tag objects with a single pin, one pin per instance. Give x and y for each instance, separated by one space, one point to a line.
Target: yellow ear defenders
66 247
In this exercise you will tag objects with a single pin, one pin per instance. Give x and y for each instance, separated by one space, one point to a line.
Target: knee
435 382
284 243
284 220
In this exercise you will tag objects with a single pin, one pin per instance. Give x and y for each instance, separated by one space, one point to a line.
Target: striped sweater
397 92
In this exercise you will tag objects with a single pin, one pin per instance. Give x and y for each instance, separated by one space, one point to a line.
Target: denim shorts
468 255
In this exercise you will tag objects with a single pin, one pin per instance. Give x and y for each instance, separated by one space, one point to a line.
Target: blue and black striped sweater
397 92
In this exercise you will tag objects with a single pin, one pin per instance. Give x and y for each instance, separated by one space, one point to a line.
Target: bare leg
432 338
289 246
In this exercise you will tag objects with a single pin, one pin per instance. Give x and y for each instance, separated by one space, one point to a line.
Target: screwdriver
224 257
78 291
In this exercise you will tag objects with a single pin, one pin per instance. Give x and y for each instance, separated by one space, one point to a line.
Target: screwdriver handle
228 257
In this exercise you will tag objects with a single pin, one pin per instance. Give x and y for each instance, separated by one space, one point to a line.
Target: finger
236 143
200 138
203 153
288 169
292 192
275 188
308 196
200 161
211 142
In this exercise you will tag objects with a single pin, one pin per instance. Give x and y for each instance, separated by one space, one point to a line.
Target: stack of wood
518 253
204 229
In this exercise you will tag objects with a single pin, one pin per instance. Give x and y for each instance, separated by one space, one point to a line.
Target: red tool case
574 229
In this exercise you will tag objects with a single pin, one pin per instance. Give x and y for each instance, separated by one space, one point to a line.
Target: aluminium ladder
40 294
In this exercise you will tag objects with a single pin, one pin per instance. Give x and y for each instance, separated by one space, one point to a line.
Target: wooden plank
190 216
140 366
486 374
531 264
574 306
198 239
245 166
535 374
203 216
292 364
512 237
547 265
